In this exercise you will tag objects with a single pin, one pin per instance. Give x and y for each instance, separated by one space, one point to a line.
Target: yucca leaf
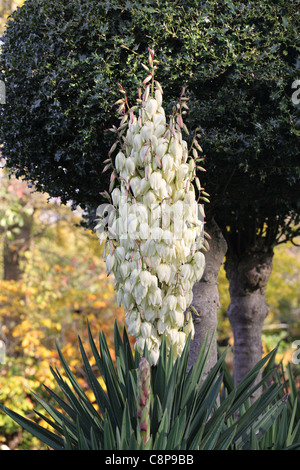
44 435
293 447
225 440
131 394
170 392
181 439
262 425
114 393
51 423
181 370
266 421
209 381
109 440
82 442
193 380
171 439
293 391
194 445
245 422
196 372
126 428
227 377
130 364
122 367
254 445
95 443
95 352
245 389
106 357
282 430
223 408
175 437
123 444
292 431
133 443
270 365
83 405
147 446
62 404
252 375
204 408
228 434
137 357
209 440
118 342
156 415
60 420
160 377
68 445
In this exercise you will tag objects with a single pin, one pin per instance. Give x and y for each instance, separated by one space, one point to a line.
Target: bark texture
206 296
248 276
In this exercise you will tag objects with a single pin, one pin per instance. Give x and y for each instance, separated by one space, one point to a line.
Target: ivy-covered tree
62 62
6 7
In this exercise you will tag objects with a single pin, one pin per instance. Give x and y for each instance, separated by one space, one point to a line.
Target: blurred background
53 279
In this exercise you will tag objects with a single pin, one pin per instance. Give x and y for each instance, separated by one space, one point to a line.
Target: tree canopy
62 63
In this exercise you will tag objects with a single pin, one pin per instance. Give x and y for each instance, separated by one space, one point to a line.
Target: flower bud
110 261
164 273
158 97
135 185
115 195
147 130
167 162
130 165
151 107
182 171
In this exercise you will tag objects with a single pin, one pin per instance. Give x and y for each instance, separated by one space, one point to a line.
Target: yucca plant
285 431
162 407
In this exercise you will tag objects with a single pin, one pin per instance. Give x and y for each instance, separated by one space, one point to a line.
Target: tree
62 64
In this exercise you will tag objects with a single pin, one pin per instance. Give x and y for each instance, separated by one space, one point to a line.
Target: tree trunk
248 276
206 296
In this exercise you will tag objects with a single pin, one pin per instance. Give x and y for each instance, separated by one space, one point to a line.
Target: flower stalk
143 405
154 232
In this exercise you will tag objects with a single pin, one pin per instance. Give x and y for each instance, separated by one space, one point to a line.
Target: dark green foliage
186 413
62 62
